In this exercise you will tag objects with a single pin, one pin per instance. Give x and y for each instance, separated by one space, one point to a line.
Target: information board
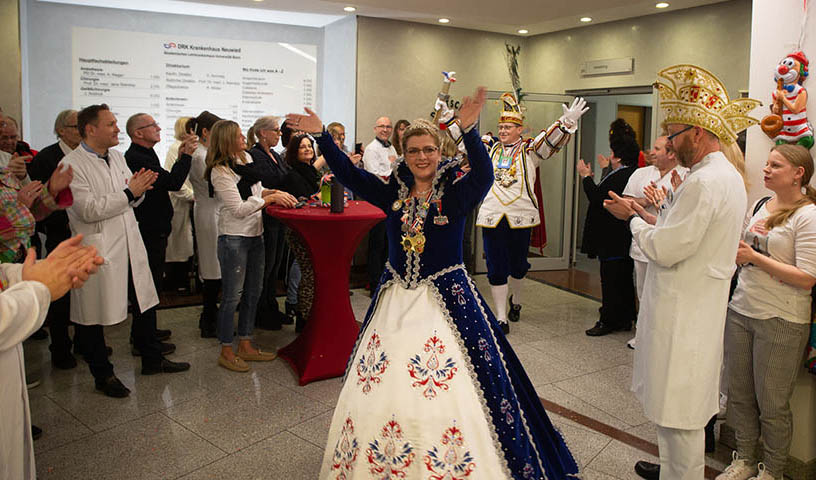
170 76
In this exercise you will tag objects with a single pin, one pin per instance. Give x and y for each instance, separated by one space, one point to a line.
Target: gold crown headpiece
511 111
694 96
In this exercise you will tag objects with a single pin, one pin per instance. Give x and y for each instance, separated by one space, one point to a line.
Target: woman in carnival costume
433 388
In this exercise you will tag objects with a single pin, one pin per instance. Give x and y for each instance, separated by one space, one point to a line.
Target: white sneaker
763 474
738 470
631 343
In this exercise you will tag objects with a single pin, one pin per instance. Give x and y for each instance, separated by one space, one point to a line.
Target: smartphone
358 148
300 204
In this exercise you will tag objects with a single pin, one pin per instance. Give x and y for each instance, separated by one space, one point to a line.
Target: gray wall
10 60
49 48
340 75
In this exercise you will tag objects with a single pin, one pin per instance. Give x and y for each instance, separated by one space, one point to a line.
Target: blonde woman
769 316
240 241
180 240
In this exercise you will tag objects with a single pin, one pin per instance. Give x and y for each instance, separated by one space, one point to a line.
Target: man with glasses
379 158
56 229
511 210
691 247
155 213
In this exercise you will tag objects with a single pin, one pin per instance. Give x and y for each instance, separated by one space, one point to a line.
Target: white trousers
682 453
640 277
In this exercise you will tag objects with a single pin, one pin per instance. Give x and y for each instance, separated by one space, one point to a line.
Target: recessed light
586 19
349 9
523 31
257 0
444 20
662 5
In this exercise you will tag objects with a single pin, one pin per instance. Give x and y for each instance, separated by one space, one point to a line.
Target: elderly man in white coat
105 192
691 251
25 291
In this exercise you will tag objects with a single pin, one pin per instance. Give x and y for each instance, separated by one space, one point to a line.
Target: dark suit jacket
54 226
604 235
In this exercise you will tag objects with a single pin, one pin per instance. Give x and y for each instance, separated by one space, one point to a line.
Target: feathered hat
694 96
511 110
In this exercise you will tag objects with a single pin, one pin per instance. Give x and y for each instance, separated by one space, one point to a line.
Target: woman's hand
278 197
745 254
584 170
472 107
604 162
309 123
60 180
28 193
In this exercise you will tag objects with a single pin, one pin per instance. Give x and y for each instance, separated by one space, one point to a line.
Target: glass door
556 176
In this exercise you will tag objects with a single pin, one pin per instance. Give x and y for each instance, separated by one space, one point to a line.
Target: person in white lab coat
691 253
180 241
25 291
205 219
105 192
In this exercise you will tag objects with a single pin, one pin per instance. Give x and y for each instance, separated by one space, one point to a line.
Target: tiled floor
212 423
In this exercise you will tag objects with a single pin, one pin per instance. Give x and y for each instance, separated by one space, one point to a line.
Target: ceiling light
523 31
662 5
444 20
586 19
257 0
349 9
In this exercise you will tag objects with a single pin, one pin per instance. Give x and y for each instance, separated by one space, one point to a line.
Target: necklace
421 193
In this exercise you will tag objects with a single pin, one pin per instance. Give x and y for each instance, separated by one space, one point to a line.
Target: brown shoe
261 356
236 365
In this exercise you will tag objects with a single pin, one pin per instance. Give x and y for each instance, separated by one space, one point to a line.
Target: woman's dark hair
292 149
286 132
622 141
204 120
395 140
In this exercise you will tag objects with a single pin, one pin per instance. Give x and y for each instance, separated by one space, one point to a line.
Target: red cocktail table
323 348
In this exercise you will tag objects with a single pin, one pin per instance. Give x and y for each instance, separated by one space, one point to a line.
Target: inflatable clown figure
790 102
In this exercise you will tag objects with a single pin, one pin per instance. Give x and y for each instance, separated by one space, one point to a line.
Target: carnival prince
511 210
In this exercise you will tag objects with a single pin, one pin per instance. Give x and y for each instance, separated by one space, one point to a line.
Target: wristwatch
634 215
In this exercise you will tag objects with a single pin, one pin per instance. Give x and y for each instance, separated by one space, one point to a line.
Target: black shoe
291 313
209 333
40 334
162 335
112 387
647 470
165 366
505 327
64 361
300 323
166 349
710 439
36 432
600 329
515 311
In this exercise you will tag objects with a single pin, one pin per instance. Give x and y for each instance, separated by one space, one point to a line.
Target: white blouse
237 217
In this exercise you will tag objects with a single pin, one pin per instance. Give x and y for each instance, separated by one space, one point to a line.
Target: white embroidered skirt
409 408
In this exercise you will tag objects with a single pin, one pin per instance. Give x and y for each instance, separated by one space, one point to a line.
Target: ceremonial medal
396 205
440 220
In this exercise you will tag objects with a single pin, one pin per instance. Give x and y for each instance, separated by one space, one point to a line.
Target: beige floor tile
542 368
567 400
59 427
608 390
315 430
146 448
584 444
618 460
149 393
283 456
586 354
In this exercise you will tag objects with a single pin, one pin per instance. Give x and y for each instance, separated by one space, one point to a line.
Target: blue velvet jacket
531 446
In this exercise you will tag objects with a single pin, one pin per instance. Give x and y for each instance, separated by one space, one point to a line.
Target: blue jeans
293 284
242 268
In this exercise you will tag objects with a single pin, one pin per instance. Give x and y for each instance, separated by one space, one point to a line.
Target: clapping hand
142 181
188 144
676 180
745 253
309 123
603 161
28 193
655 195
584 170
60 180
17 165
471 107
67 266
620 208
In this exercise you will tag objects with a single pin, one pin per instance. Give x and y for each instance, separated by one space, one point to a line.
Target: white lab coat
682 315
205 216
23 306
180 241
102 213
